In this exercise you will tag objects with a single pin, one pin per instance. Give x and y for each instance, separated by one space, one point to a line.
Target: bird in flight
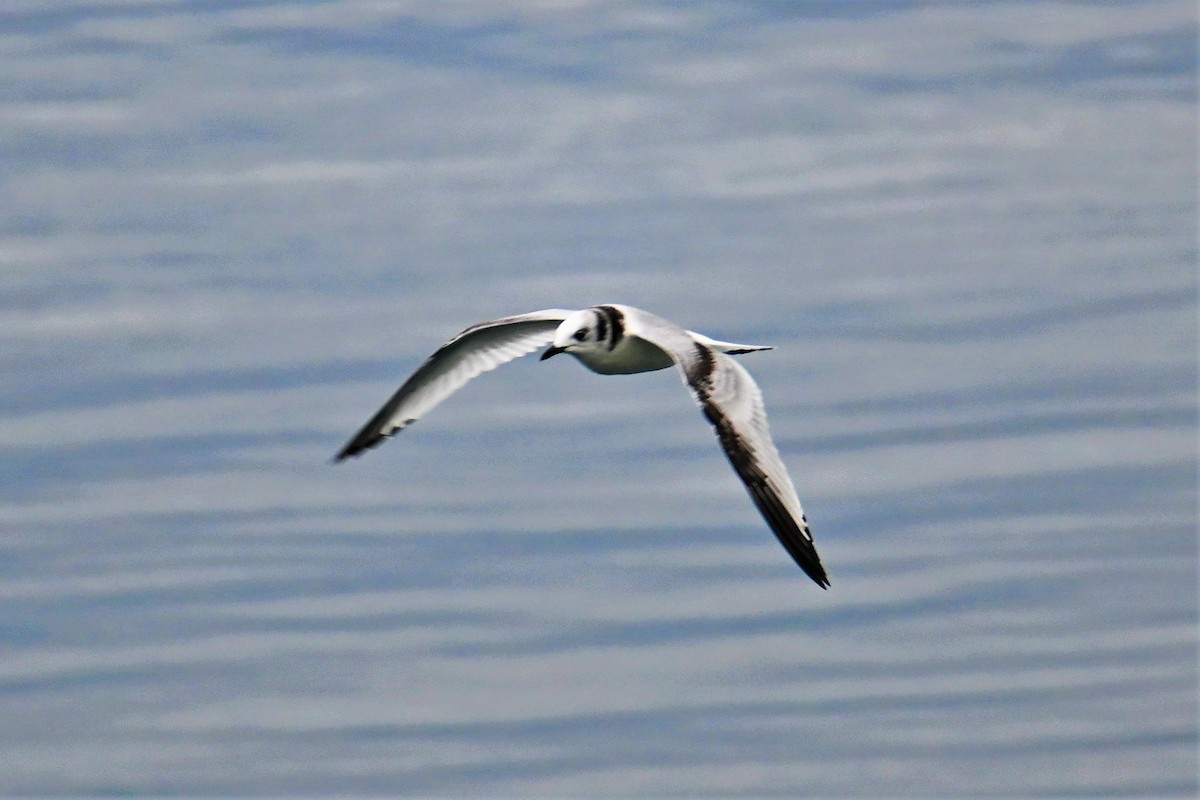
618 340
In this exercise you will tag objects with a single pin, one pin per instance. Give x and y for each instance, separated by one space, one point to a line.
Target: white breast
631 355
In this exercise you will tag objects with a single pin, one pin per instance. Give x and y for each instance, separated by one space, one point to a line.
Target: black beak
552 351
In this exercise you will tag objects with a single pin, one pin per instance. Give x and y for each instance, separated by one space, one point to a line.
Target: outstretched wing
732 402
476 350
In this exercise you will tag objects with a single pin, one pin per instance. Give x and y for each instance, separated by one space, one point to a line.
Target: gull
620 340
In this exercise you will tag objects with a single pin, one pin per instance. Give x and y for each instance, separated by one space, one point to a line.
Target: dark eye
581 334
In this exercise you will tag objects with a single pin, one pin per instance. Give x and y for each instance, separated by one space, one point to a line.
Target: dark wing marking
732 402
476 350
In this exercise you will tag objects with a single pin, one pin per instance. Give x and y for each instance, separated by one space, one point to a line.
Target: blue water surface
230 229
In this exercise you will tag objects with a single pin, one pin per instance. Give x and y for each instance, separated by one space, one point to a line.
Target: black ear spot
580 334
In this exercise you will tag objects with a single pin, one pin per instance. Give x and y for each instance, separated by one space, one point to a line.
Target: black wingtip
812 566
360 444
349 449
809 561
798 544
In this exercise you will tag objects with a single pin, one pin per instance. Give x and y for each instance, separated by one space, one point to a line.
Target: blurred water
230 229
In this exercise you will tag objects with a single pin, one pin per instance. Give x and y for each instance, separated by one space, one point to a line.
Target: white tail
728 347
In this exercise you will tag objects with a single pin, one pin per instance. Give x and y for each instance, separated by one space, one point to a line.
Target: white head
592 329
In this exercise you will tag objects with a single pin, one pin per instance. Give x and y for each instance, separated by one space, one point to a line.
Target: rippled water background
229 229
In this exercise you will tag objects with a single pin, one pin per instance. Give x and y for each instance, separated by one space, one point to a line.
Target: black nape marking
616 325
601 325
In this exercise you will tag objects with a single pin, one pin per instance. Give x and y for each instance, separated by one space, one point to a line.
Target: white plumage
618 339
